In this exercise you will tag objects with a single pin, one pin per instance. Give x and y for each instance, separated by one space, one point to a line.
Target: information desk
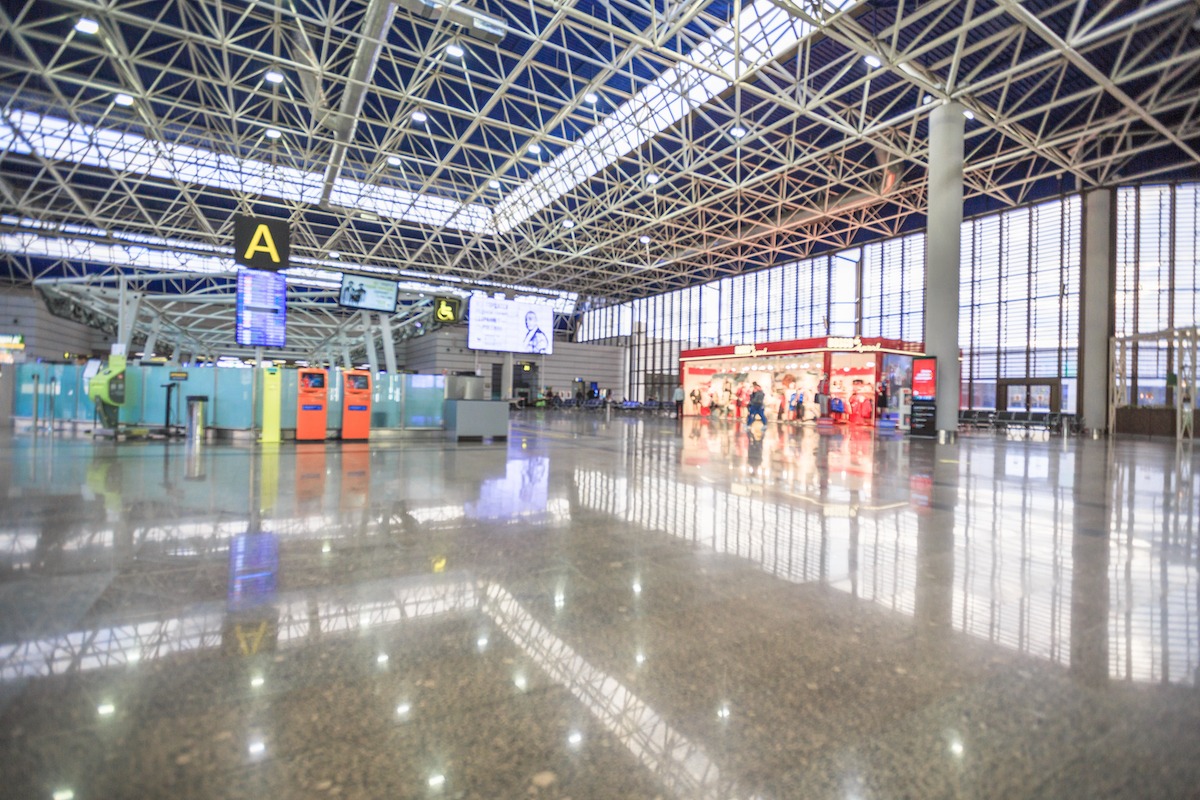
476 419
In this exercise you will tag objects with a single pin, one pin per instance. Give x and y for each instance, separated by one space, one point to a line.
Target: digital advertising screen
261 309
924 379
368 294
508 326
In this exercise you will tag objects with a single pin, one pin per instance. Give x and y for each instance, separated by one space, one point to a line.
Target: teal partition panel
24 388
232 407
131 412
333 420
387 401
287 416
424 396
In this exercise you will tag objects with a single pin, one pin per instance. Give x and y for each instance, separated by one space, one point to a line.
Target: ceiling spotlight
653 178
272 133
873 62
419 117
335 255
644 239
454 51
88 26
926 100
591 97
534 149
494 184
393 161
968 113
737 131
568 223
274 77
123 99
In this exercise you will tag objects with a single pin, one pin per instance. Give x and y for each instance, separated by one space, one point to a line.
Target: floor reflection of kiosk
312 405
356 404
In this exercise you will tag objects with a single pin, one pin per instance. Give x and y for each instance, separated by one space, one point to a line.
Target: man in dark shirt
757 398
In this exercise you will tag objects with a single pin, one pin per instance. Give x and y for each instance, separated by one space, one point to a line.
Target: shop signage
854 343
178 376
12 341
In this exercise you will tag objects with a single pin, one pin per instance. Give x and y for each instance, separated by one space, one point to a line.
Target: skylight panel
766 33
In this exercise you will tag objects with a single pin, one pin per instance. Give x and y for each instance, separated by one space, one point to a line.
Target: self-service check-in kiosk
312 397
356 404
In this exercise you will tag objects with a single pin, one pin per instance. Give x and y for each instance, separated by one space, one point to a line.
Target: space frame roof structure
592 152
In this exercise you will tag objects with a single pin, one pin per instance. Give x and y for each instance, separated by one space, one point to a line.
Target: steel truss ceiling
378 143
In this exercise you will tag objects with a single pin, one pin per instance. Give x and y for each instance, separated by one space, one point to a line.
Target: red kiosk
356 404
312 397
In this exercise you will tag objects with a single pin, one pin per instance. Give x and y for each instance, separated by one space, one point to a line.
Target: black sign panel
447 309
924 419
261 243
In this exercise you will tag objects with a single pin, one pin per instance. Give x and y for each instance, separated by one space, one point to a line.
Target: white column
369 341
1096 312
942 256
506 377
389 347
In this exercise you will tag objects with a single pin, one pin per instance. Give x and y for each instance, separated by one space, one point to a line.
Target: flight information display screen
261 309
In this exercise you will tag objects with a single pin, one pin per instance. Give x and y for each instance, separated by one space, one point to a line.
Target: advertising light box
924 382
368 294
261 309
510 327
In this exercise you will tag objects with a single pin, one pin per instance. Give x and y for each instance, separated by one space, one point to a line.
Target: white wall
46 336
446 350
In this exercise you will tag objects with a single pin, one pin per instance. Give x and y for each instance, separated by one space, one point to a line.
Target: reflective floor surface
600 608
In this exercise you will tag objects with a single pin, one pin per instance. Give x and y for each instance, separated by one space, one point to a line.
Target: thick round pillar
942 254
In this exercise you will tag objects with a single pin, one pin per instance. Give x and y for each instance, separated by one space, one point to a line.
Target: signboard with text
261 243
924 381
261 309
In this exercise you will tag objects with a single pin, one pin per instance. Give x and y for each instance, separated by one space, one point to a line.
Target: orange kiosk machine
356 404
312 405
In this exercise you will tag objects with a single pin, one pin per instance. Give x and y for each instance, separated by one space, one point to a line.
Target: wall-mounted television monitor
368 294
508 326
261 309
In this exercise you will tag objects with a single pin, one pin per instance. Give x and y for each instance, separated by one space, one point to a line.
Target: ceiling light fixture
873 62
737 131
968 113
454 51
123 99
274 77
419 117
644 239
494 184
653 178
88 26
272 133
393 161
568 223
591 97
335 255
534 149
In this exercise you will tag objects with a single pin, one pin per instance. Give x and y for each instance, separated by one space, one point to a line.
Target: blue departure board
261 309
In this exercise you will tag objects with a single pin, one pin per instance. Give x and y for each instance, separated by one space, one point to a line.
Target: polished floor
602 607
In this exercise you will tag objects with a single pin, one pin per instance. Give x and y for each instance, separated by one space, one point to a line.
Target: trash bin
197 404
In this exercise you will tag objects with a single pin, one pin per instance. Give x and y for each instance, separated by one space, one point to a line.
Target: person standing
757 398
679 402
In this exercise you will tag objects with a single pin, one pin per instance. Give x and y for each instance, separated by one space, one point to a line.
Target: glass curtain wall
1019 305
1020 294
1157 284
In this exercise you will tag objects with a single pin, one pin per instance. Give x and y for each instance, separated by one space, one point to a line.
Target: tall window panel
1157 276
1019 307
893 288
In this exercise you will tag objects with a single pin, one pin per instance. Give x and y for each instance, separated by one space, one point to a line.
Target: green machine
107 391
